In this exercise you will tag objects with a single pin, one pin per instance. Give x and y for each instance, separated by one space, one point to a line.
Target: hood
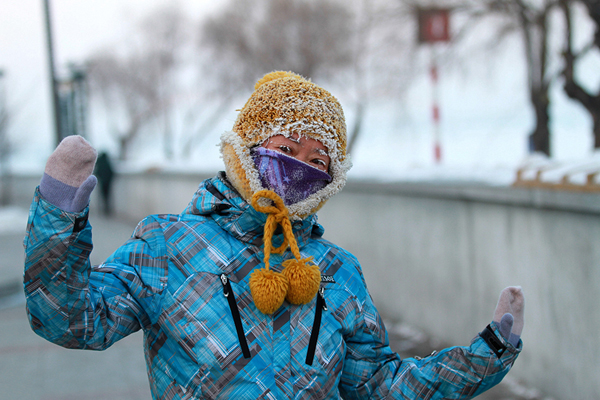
217 199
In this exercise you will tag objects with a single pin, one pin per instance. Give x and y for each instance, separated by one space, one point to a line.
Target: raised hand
68 181
509 313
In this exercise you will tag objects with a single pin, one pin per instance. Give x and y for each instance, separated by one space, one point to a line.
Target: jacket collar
217 199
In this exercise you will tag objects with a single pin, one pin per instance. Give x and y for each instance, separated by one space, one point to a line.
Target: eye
285 149
320 163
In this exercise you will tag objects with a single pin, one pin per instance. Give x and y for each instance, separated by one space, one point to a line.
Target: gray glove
68 181
509 314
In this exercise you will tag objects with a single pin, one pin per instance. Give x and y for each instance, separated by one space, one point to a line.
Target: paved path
34 369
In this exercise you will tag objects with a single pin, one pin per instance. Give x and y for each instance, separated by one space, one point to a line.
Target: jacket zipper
314 335
235 312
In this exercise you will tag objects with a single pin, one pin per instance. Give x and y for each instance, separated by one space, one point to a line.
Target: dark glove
68 181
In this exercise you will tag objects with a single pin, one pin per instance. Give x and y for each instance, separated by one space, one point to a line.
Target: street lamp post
53 83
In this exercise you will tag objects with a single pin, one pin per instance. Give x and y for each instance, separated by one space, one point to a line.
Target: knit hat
284 103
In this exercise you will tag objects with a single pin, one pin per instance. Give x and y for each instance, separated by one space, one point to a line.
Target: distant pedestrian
104 172
240 296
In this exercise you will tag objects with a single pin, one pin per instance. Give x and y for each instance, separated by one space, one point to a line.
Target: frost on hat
284 103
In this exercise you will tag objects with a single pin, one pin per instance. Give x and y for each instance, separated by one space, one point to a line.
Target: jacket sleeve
75 305
373 371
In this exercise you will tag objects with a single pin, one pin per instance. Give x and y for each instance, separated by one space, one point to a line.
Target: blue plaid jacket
170 279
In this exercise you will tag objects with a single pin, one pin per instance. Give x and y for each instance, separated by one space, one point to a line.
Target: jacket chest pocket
333 327
207 330
321 378
329 347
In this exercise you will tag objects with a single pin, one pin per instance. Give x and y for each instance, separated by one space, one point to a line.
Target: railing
582 176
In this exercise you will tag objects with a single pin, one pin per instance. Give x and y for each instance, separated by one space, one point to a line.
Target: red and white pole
437 147
434 27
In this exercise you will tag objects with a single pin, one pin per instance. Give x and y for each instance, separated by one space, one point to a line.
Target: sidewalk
34 369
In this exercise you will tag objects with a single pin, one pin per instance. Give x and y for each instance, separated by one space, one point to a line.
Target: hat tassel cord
300 279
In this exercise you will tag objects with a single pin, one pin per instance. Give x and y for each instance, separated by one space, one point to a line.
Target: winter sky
485 113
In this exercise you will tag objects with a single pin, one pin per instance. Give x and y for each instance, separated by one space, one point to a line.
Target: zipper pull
322 295
225 281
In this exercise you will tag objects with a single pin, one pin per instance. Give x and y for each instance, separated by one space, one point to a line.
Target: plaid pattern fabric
165 280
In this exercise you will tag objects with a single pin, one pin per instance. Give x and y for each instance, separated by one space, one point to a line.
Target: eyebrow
322 152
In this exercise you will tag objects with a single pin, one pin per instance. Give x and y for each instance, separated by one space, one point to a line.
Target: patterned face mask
291 179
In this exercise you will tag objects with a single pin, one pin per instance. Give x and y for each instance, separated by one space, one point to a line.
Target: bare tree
129 92
590 101
164 34
533 23
530 19
247 39
384 56
359 66
308 37
140 86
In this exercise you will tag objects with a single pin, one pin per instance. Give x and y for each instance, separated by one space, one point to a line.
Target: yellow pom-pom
268 289
271 76
304 279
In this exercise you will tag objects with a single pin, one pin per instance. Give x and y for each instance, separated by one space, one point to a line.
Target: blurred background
474 123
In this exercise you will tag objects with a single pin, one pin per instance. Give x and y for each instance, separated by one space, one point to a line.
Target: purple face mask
291 179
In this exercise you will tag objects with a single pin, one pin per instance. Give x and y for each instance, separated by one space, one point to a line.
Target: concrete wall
20 189
135 195
437 256
138 195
